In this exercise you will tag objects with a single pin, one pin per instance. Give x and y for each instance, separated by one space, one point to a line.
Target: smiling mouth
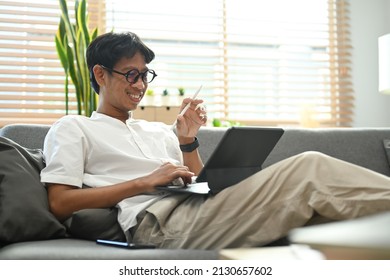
136 97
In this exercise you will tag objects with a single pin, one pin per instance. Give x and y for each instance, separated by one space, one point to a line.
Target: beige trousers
265 206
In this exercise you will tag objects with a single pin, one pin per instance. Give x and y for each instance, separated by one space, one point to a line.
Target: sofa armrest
28 135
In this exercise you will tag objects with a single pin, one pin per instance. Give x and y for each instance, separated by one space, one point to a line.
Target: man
123 160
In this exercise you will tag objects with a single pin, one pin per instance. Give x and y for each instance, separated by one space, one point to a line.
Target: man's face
120 95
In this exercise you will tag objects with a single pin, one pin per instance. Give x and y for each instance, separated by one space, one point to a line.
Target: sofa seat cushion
24 208
74 249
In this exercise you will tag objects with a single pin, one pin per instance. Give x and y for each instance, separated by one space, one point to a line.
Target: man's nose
139 84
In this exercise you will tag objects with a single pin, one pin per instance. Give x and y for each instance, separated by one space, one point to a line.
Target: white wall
369 20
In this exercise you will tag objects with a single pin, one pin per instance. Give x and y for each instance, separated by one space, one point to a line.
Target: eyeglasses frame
126 75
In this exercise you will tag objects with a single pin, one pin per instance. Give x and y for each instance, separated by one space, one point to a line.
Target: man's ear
99 74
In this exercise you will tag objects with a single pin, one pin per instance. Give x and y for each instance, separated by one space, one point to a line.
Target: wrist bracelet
188 148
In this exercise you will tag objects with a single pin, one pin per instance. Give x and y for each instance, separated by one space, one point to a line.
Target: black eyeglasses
133 75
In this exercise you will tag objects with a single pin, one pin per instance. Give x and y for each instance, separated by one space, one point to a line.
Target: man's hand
164 175
189 124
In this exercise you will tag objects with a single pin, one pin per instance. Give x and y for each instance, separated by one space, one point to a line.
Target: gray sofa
362 146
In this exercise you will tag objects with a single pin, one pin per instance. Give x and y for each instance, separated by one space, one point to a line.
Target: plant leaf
61 51
74 78
82 21
65 16
71 42
94 34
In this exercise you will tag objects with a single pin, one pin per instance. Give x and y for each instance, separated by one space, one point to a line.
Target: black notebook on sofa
240 154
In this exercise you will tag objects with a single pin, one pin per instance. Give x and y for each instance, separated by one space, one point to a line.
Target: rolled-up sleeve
65 153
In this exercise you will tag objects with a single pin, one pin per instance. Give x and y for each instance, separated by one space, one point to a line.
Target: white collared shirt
102 151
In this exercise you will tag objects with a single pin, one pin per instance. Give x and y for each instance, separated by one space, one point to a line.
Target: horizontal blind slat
34 97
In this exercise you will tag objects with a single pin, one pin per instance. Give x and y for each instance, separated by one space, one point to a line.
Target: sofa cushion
92 224
24 208
75 249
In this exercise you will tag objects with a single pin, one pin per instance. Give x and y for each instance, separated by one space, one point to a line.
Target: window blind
31 76
288 65
185 36
260 62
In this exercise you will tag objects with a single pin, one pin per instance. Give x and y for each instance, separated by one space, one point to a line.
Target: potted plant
165 100
149 97
72 40
224 123
180 98
181 91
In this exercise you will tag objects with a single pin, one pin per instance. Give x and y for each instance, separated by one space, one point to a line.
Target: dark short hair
107 49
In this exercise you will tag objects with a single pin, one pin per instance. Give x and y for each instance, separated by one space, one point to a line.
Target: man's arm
191 159
66 199
187 128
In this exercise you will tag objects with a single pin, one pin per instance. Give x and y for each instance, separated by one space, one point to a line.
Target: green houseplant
181 91
72 40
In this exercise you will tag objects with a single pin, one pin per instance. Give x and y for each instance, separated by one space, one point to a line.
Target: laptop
239 154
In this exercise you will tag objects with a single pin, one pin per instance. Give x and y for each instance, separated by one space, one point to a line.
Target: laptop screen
239 154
